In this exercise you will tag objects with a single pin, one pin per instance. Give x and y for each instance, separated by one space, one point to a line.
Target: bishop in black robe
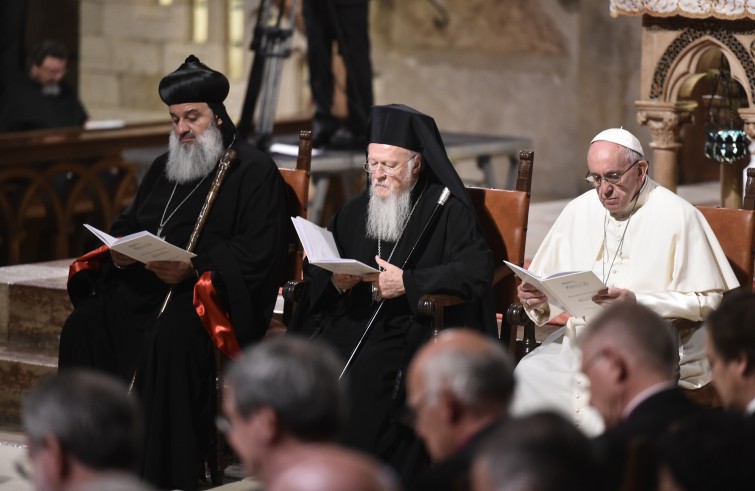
453 259
239 259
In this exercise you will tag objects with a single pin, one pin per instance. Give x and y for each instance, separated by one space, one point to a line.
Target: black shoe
344 139
322 133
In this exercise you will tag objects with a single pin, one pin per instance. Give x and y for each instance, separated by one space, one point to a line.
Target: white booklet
322 251
143 246
571 292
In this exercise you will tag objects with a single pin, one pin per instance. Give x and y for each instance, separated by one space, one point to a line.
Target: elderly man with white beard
408 169
224 295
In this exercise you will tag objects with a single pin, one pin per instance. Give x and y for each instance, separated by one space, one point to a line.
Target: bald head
331 468
458 384
474 367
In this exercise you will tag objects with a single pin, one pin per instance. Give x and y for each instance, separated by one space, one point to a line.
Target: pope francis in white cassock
648 246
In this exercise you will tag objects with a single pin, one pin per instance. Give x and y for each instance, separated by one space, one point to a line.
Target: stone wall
556 71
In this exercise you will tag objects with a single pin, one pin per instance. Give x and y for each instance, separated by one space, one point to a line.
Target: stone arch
681 58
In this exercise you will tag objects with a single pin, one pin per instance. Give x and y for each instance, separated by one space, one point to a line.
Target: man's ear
644 166
742 365
58 460
266 424
419 163
218 121
616 366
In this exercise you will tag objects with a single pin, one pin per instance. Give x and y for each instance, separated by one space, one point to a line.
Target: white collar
645 395
750 408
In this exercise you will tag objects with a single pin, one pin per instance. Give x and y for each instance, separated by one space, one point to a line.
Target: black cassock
26 108
454 260
115 330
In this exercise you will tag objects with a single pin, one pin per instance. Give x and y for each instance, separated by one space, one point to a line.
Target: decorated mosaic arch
685 39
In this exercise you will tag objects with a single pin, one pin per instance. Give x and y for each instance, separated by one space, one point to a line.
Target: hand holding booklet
142 246
571 292
322 251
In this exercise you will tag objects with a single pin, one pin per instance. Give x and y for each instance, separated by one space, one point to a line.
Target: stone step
33 306
19 372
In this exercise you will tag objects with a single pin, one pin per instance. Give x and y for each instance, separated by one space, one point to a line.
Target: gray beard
52 90
386 217
188 162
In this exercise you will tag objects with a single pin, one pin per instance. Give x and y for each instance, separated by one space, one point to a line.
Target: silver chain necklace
621 241
164 221
375 291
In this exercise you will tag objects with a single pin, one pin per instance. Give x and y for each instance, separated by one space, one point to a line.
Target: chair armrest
517 316
500 273
434 303
293 290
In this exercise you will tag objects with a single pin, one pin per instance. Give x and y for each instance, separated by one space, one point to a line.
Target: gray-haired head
90 414
475 369
540 452
296 378
638 332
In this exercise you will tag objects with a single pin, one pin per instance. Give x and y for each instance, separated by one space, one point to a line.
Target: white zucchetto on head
620 136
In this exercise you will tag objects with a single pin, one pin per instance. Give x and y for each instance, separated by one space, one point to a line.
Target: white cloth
750 409
669 258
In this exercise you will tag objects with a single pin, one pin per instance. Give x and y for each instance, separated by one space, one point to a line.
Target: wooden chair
503 216
297 181
735 231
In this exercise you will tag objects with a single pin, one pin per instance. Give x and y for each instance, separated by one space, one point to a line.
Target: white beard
386 217
190 161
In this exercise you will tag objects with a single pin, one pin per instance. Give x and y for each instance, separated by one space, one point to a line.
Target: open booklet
142 246
571 292
322 251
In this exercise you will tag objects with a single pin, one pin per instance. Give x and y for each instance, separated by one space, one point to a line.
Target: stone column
748 116
664 119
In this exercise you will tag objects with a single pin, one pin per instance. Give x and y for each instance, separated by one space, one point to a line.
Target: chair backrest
735 231
503 216
297 181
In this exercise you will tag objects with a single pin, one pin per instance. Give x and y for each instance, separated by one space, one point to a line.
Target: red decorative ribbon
216 321
90 260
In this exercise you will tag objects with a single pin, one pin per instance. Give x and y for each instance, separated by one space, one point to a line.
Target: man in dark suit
731 353
628 354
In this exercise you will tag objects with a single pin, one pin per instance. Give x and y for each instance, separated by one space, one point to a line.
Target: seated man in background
84 434
731 352
647 245
459 388
41 100
629 357
540 452
224 295
408 168
280 397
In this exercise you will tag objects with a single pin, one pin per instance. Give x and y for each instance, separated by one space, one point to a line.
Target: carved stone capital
664 120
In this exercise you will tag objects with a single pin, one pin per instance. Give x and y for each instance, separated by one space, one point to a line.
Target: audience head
731 349
331 468
625 350
79 424
48 61
281 390
457 385
540 452
710 452
616 168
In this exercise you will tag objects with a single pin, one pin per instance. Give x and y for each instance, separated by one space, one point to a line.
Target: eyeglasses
611 177
389 170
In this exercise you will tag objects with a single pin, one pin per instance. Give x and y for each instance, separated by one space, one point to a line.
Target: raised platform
33 306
